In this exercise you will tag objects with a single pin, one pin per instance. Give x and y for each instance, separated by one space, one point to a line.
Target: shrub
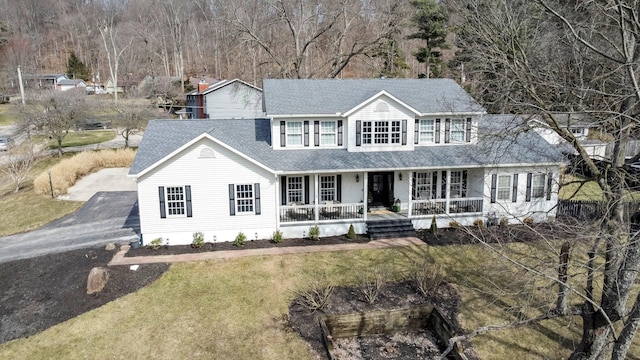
156 243
426 277
454 224
277 236
528 221
315 293
314 232
478 222
372 283
434 225
504 222
351 234
198 240
241 238
65 173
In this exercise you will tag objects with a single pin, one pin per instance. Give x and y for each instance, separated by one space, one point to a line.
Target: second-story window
427 130
381 132
294 133
328 133
457 130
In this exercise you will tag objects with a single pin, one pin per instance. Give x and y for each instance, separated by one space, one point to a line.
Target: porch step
387 229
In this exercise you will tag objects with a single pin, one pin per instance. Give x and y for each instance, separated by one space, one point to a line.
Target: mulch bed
250 244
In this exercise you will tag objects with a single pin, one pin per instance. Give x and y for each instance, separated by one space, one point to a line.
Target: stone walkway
120 259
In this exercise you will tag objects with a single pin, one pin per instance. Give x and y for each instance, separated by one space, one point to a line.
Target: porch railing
439 206
295 213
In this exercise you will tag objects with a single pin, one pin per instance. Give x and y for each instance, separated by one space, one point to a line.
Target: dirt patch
41 292
398 295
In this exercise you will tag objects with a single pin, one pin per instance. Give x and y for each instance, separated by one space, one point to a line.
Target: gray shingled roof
253 139
329 96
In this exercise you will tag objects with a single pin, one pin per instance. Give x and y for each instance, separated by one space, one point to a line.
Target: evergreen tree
76 69
431 20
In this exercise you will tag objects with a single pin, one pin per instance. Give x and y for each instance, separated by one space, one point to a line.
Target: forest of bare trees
247 39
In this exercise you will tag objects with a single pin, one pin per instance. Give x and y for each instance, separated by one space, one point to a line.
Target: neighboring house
47 81
580 125
330 151
126 84
226 99
68 84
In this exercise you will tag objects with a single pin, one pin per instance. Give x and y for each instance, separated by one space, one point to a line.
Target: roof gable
381 95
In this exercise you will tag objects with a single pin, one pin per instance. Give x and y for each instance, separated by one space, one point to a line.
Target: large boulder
97 279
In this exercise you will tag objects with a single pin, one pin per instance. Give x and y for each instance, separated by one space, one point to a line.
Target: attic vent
382 107
207 153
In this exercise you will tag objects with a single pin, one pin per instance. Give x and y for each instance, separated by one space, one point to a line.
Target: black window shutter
494 183
404 132
443 188
549 184
434 185
468 129
306 189
528 195
358 132
256 193
437 131
187 194
464 183
339 187
316 133
339 132
232 200
416 132
306 133
283 134
447 130
514 196
163 211
283 190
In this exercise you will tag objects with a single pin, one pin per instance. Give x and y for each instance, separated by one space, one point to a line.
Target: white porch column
278 200
365 191
448 191
411 176
316 185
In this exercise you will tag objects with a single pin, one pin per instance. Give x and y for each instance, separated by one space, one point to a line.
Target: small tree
131 120
21 159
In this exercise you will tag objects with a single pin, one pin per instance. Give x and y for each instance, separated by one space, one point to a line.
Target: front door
381 189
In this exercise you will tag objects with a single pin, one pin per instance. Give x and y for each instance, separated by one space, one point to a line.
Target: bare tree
114 46
20 160
131 120
55 113
546 57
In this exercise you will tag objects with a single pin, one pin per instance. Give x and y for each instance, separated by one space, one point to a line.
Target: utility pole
21 85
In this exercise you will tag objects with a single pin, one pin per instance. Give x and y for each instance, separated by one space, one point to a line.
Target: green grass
236 309
25 210
8 115
576 188
81 138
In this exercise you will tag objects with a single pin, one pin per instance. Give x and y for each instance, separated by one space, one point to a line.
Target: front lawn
237 309
80 138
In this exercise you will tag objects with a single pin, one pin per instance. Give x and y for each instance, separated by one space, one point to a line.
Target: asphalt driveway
108 216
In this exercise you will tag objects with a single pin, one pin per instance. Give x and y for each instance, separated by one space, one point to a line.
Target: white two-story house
335 153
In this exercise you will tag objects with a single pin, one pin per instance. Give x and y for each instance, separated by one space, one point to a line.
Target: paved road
106 217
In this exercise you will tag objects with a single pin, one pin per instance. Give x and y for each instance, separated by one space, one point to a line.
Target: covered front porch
355 196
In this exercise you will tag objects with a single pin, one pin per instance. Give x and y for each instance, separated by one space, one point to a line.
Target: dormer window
328 133
457 130
426 131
